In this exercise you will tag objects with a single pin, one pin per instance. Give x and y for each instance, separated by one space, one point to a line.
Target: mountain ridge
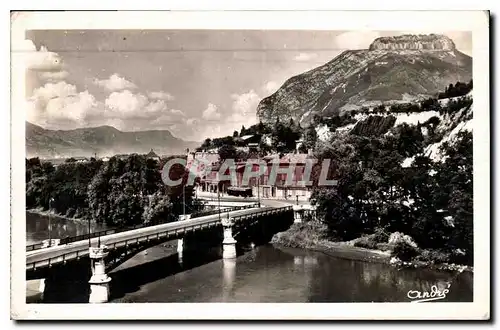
410 67
102 140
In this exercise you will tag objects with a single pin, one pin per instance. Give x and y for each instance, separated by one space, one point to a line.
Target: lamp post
218 199
88 188
258 177
184 201
51 201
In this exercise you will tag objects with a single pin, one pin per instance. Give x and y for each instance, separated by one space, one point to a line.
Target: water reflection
38 226
229 275
268 274
346 280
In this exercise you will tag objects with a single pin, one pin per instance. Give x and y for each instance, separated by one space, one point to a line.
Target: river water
37 227
270 274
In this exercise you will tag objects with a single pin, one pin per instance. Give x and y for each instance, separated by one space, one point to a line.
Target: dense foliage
459 89
430 201
118 192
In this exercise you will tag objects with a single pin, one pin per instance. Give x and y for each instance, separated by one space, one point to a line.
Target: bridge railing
101 233
263 212
223 209
172 233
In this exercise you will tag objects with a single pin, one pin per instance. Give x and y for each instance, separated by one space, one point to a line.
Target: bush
435 256
367 242
404 251
70 212
380 236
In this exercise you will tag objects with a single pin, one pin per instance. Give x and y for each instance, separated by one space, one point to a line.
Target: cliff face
394 68
374 125
414 42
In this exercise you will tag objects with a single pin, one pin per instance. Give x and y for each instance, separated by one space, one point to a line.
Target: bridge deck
75 250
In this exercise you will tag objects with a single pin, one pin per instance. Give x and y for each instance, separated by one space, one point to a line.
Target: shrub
404 251
436 256
366 242
380 236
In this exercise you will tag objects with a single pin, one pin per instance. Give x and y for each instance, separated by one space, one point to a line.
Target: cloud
271 86
53 76
115 83
211 112
177 112
39 60
192 121
60 104
356 39
304 57
73 108
244 108
161 96
52 90
126 103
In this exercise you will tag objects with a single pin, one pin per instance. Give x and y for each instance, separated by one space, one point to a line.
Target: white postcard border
432 21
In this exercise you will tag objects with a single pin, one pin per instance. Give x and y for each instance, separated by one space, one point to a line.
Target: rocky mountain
103 140
393 68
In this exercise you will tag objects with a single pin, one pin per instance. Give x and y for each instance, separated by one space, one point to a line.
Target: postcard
260 165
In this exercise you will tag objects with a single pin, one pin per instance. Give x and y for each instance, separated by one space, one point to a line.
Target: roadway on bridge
40 258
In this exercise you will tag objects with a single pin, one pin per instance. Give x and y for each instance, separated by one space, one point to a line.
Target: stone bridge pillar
46 244
180 241
298 213
99 282
229 243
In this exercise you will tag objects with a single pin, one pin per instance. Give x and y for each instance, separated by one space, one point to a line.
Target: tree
227 152
207 144
310 137
235 134
158 210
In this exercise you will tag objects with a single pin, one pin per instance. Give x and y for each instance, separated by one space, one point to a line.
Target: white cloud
51 90
244 108
356 39
161 96
192 121
53 105
39 60
127 104
271 86
154 106
176 112
115 83
211 112
304 57
74 108
53 76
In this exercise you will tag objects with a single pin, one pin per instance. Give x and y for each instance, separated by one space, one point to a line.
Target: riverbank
46 213
312 236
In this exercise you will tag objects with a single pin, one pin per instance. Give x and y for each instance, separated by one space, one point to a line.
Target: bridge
108 250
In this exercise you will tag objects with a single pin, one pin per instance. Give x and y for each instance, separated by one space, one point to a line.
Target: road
61 253
263 201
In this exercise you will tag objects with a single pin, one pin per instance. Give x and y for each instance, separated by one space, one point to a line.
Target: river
37 227
271 274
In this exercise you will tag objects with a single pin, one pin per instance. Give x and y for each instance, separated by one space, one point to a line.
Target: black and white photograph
200 159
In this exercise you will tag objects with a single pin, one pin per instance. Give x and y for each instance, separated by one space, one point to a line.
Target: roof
152 154
246 137
292 158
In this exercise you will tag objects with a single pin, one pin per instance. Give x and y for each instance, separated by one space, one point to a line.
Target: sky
194 83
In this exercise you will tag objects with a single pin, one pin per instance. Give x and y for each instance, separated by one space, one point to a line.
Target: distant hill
393 68
103 140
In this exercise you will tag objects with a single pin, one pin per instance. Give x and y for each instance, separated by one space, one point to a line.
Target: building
152 155
279 189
